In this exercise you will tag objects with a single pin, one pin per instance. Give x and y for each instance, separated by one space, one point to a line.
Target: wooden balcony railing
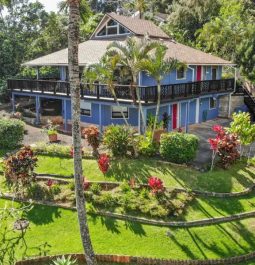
124 92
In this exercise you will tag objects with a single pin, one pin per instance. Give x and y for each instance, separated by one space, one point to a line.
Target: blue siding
169 79
182 113
192 112
204 111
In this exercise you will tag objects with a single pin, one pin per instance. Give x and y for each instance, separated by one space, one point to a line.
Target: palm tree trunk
139 103
73 46
157 109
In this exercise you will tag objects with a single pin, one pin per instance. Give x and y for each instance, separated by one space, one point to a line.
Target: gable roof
138 27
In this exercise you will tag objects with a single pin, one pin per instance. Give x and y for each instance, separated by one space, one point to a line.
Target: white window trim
121 118
114 26
210 104
185 75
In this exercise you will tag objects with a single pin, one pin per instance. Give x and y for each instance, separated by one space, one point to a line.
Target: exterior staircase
249 100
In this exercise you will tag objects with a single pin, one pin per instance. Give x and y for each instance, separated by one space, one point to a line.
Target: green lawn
54 230
236 178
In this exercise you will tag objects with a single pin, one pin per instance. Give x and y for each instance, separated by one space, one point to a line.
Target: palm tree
105 71
158 67
73 63
131 53
138 5
84 8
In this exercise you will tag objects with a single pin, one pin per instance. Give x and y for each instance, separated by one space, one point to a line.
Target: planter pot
157 135
53 138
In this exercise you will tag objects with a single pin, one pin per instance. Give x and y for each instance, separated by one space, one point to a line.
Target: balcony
123 92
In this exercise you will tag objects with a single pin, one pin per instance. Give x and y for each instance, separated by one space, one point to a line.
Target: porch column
187 117
197 109
100 119
13 103
139 121
37 73
38 109
170 118
145 118
65 114
62 73
229 105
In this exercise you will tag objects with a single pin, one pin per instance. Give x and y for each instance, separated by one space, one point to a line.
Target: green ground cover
50 224
237 178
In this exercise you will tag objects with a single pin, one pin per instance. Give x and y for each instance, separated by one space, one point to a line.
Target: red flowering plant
225 146
19 168
92 135
104 163
156 185
85 184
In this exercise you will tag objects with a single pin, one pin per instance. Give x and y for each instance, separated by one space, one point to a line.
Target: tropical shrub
95 188
156 185
243 128
146 147
92 135
178 147
19 168
225 146
36 191
118 139
11 133
104 163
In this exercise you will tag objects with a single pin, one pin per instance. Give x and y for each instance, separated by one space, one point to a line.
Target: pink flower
49 183
217 128
156 184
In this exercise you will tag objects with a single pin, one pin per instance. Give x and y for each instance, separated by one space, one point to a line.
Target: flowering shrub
224 145
92 135
19 168
104 163
156 184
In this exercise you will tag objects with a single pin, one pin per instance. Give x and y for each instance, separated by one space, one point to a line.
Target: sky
50 5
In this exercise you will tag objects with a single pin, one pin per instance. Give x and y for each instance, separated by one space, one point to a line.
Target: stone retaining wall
147 261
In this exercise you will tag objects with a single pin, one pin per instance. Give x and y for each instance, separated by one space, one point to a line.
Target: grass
236 178
110 236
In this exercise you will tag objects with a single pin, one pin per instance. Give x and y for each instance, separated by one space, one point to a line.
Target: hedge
11 133
178 147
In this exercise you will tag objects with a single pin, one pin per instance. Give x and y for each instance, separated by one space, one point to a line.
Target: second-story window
112 28
181 73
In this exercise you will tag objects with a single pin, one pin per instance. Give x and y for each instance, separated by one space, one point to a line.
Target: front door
174 116
199 73
214 72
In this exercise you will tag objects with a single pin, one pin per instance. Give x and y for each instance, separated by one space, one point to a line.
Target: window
116 112
86 108
112 28
213 103
180 73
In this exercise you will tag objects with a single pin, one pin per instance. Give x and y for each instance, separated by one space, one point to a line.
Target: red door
199 73
174 116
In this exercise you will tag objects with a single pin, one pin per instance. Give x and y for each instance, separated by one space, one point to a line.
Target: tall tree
105 72
131 53
73 63
187 16
158 67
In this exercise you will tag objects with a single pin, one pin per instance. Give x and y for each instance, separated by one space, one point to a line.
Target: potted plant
51 131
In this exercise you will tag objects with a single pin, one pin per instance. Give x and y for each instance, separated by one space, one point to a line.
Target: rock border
125 217
146 261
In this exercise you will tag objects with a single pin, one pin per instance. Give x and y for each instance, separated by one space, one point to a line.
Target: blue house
189 95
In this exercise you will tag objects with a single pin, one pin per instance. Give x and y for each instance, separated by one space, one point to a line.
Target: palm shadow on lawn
113 225
42 214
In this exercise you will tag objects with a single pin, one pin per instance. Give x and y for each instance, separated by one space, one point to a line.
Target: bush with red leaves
19 168
156 185
104 163
225 146
92 135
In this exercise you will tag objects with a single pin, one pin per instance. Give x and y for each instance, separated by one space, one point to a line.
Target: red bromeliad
156 184
104 163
